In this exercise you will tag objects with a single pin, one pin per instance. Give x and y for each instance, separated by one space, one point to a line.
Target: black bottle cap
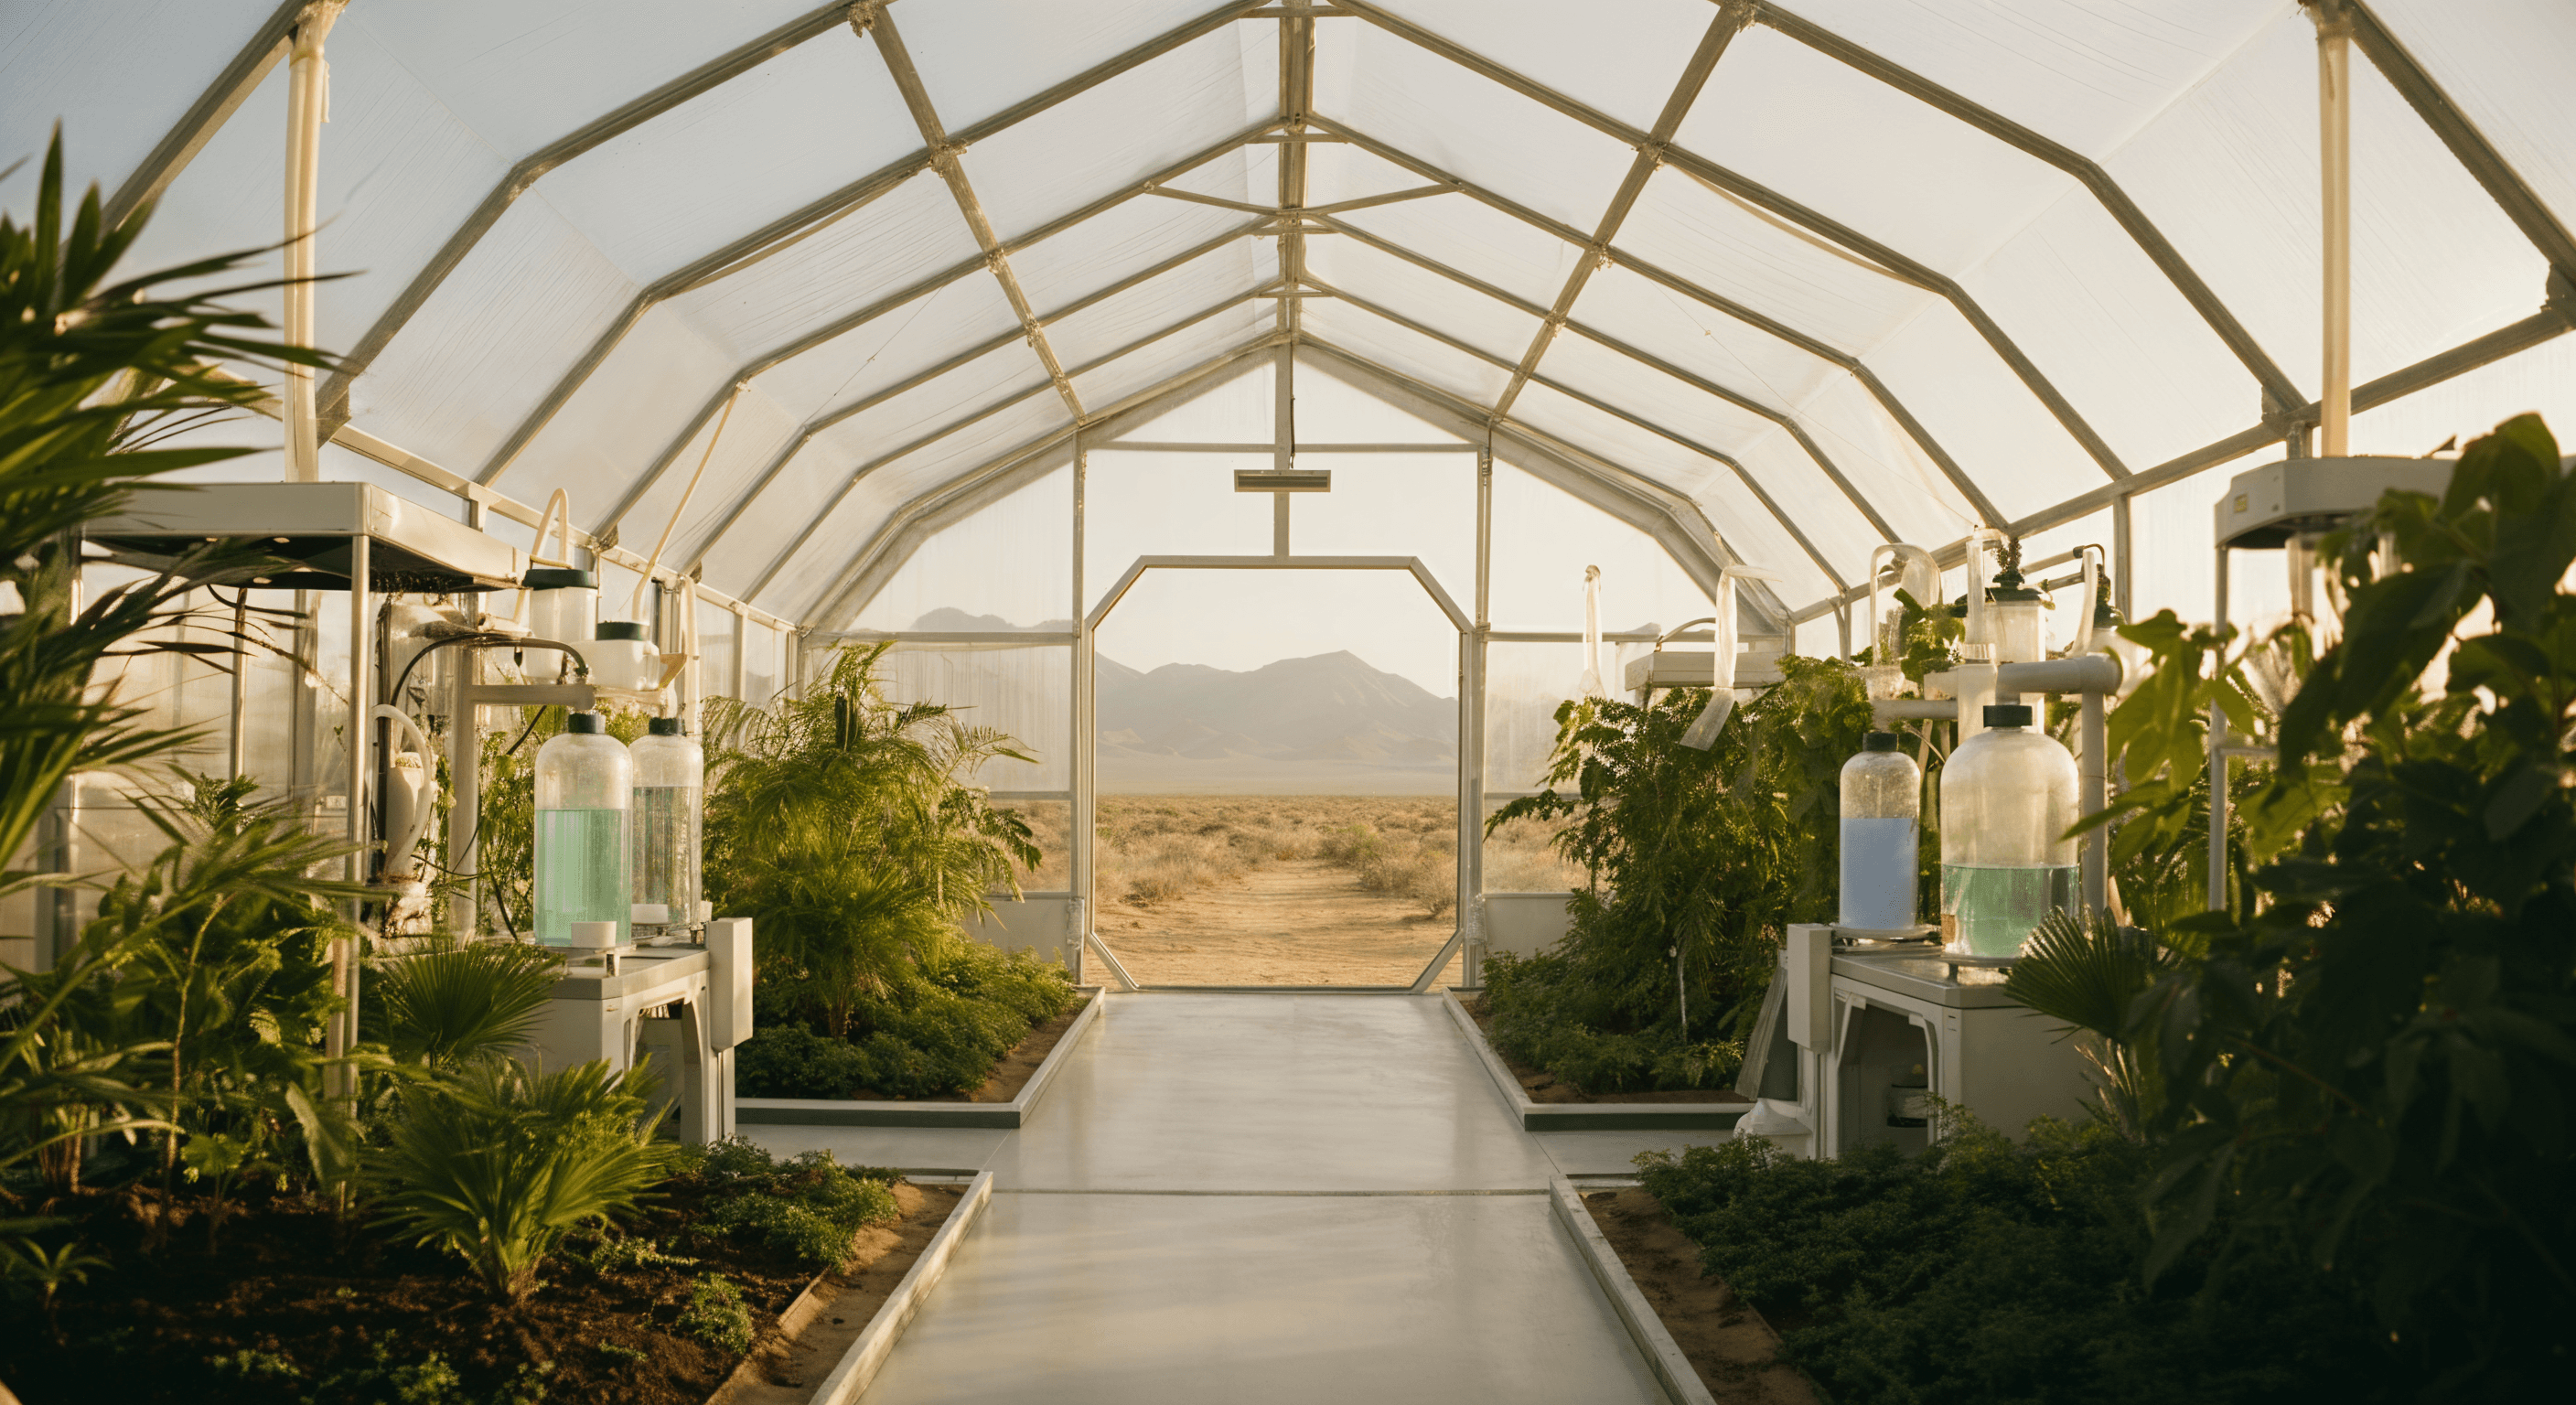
557 578
2008 714
585 723
620 629
663 727
1879 741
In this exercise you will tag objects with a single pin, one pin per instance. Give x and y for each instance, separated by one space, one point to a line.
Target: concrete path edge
866 1356
848 1112
1673 1370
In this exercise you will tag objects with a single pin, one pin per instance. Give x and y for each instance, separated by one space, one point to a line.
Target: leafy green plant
24 1262
1990 1269
92 373
1698 858
2370 1065
2087 972
445 1008
812 1211
499 1164
716 1314
848 827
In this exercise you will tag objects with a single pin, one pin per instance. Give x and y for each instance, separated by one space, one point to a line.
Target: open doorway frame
1086 801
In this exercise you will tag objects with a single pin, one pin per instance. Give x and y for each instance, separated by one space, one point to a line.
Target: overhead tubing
308 106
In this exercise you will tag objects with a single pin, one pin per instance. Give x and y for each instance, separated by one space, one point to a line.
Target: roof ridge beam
1815 222
523 175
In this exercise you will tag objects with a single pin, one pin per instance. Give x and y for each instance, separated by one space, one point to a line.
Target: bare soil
1011 1074
785 1369
291 1298
1735 1352
1541 1086
1288 922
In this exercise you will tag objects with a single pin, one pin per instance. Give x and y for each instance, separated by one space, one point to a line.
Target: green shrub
938 1029
498 1164
445 1007
812 1206
716 1315
1698 859
1986 1271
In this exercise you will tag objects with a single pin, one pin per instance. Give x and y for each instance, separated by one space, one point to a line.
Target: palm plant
92 376
2090 973
499 1163
848 825
446 1008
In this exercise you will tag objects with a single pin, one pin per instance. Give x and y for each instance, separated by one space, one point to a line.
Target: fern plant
498 1164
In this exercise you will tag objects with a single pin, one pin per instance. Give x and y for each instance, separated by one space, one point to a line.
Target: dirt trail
1293 922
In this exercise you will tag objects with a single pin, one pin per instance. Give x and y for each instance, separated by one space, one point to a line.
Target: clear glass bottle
1882 792
585 791
670 791
2007 799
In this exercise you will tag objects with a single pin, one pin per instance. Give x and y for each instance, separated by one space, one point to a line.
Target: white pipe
308 106
2334 160
1589 685
635 607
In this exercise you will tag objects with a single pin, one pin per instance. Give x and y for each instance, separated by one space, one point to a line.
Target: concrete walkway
1258 1198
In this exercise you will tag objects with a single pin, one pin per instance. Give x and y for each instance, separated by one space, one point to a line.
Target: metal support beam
923 287
1743 475
1732 16
1644 268
204 117
2467 144
860 474
2114 201
805 433
524 175
871 19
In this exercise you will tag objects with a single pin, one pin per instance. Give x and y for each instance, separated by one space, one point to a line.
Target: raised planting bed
296 1303
1545 1105
835 1337
1705 1345
1005 1100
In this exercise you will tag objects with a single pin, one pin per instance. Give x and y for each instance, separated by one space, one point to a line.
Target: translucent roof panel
1852 300
1010 561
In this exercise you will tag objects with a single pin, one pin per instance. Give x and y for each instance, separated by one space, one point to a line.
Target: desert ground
1285 889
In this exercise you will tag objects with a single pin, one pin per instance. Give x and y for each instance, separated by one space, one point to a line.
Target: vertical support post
741 653
1283 442
237 749
346 958
2218 767
2334 160
2120 572
2093 794
308 106
465 786
1083 828
1471 737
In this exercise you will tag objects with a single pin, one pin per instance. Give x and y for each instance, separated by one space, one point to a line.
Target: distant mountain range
1328 723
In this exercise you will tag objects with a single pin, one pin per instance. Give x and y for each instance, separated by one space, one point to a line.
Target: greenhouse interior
724 701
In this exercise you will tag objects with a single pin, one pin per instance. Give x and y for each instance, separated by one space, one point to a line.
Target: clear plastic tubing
670 795
585 791
2007 799
1882 794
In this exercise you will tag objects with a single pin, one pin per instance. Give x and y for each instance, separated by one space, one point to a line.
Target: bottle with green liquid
585 788
2007 800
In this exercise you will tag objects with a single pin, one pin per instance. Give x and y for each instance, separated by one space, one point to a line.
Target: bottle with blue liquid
1882 794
